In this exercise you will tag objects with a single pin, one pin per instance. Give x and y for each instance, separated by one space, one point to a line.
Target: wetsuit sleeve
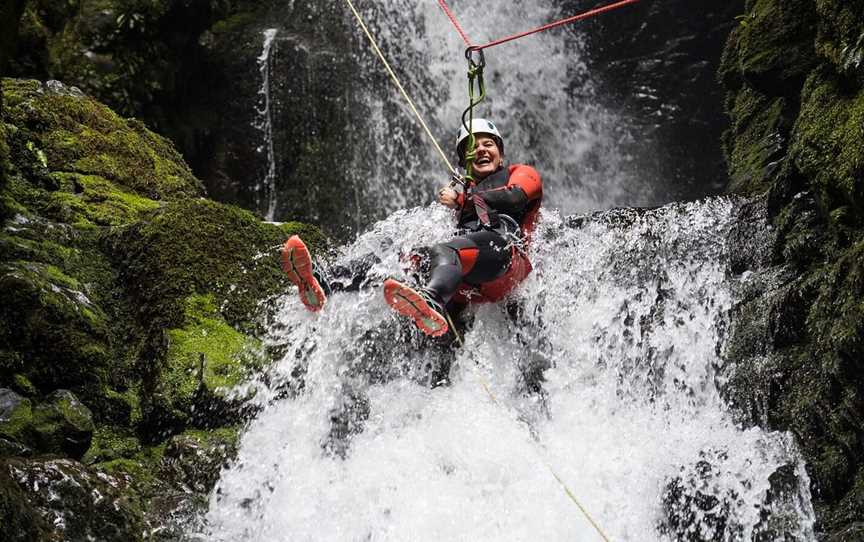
523 188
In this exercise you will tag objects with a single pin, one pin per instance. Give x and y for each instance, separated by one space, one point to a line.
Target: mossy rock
16 417
828 145
21 522
77 134
77 502
111 443
757 140
199 247
63 425
772 47
841 35
206 357
195 458
47 316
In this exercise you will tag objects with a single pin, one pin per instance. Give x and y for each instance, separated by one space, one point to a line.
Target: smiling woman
497 210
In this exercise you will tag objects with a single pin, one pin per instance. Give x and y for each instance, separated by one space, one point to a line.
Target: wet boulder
63 425
16 418
195 459
60 424
64 500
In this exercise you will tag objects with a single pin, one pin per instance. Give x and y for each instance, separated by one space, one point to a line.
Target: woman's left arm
523 188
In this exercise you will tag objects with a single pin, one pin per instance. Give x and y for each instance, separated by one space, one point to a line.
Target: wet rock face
58 425
63 424
64 500
795 93
657 62
305 106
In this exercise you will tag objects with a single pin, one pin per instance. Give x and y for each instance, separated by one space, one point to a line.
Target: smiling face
489 158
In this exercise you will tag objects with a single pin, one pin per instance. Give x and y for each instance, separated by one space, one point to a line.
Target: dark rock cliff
794 75
655 62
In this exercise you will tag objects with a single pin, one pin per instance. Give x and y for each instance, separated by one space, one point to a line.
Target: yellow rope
401 88
551 470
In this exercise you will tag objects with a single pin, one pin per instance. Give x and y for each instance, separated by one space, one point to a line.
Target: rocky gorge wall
794 76
128 306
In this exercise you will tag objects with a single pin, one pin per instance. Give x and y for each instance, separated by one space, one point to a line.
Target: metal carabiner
469 55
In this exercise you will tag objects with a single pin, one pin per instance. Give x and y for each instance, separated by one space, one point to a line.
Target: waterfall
602 371
539 93
265 189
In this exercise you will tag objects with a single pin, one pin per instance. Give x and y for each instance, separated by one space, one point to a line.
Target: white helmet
478 126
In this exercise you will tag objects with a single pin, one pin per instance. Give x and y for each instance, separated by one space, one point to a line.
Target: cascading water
602 372
540 95
265 190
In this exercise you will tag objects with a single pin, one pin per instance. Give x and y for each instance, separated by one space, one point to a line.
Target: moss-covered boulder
63 425
16 420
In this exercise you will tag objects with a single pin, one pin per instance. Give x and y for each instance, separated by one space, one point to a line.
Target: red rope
449 13
568 20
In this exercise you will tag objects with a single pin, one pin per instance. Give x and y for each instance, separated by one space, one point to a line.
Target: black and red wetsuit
487 259
496 221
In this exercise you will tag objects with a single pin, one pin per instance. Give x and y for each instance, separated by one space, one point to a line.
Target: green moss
775 42
841 34
228 356
47 316
111 443
827 146
19 424
199 247
22 385
79 135
95 201
755 144
142 471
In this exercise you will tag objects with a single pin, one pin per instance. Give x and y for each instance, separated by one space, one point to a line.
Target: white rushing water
265 189
539 93
624 316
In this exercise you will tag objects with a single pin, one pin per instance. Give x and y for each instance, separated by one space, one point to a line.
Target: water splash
265 190
604 370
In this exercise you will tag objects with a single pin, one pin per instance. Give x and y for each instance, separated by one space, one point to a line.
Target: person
497 214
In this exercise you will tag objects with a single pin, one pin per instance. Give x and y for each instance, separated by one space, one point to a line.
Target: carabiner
469 55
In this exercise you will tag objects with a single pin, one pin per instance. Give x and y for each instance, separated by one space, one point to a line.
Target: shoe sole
408 302
297 264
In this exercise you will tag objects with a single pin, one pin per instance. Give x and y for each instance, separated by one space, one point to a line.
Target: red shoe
428 314
297 263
